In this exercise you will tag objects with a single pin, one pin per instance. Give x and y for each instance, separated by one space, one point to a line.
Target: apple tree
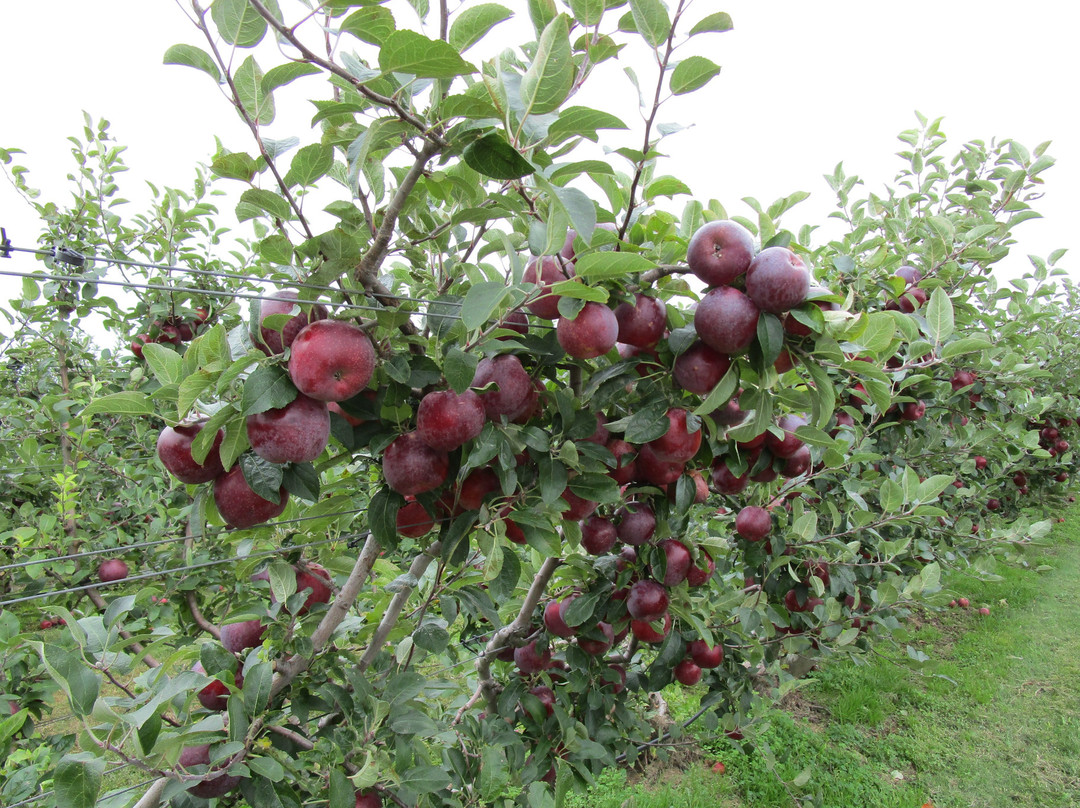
485 438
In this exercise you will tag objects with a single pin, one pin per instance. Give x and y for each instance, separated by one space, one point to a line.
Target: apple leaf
166 364
257 681
262 476
310 164
77 779
459 368
651 20
716 23
382 516
582 122
372 24
722 393
235 166
473 22
541 12
239 23
493 157
287 73
255 201
191 56
129 402
409 52
579 291
606 265
967 345
258 103
302 480
267 388
692 73
550 77
939 316
481 302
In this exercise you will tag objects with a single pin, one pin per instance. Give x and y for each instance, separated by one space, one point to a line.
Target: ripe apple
913 411
677 562
592 333
647 600
270 341
112 569
174 451
295 433
215 696
1061 477
699 368
413 520
545 272
198 755
368 799
753 523
331 360
446 420
217 785
720 251
705 655
577 508
410 466
647 631
238 637
788 445
625 470
635 523
514 386
641 323
993 504
910 274
314 577
980 462
241 507
598 535
553 620
678 444
798 464
984 611
698 576
725 482
650 469
530 660
726 320
777 280
963 602
546 697
688 672
595 642
137 344
962 379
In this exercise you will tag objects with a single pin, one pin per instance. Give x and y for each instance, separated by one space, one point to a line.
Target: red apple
331 360
647 600
514 387
635 523
368 799
647 630
597 535
112 569
413 521
592 333
705 655
788 445
678 444
642 322
271 341
726 320
753 523
545 272
174 451
295 433
688 672
913 411
677 562
241 507
777 280
238 637
720 251
530 660
699 368
410 466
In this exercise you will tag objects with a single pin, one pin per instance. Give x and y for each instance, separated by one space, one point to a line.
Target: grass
993 721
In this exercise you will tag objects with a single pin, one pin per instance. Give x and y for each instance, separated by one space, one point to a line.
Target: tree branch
393 611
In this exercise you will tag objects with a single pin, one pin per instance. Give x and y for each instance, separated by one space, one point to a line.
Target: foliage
438 173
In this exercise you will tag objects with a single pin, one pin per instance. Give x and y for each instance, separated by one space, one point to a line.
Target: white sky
804 86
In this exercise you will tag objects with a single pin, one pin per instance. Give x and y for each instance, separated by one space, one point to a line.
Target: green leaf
666 186
494 773
939 316
879 332
257 680
595 487
302 480
128 403
722 393
382 516
892 496
931 488
165 363
606 265
413 53
965 346
692 73
372 24
577 290
277 249
425 779
258 103
285 74
239 23
459 368
309 164
550 77
264 201
718 22
432 637
582 122
588 12
342 792
77 780
81 684
268 388
651 20
191 56
541 12
236 166
493 157
473 22
481 302
262 477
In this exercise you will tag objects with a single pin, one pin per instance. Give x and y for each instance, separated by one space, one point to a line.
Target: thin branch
152 797
393 611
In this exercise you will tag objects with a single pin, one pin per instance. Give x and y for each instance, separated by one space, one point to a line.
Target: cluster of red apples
330 361
171 330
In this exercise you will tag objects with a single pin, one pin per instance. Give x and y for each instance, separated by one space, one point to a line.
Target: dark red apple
112 569
777 280
699 368
577 508
726 320
174 451
217 785
215 696
238 637
641 323
331 360
514 386
530 660
273 342
545 272
798 464
913 411
410 466
625 469
687 673
314 577
295 433
699 576
241 507
592 333
720 251
910 274
597 641
647 631
368 799
705 655
753 523
635 523
648 600
788 445
980 462
553 620
652 470
413 521
962 379
598 535
546 696
678 562
678 444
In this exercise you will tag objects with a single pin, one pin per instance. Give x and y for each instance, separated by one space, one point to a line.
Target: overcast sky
804 86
